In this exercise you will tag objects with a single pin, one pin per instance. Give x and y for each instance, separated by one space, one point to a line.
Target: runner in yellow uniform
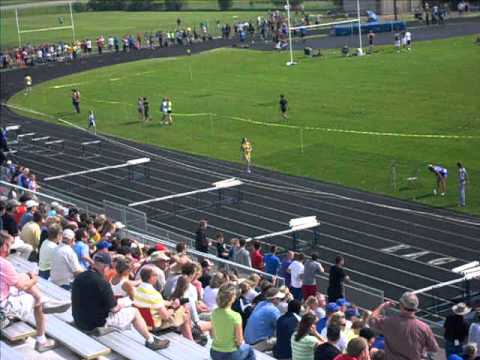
246 149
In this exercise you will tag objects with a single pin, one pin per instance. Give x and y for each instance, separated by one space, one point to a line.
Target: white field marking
67 85
115 79
271 187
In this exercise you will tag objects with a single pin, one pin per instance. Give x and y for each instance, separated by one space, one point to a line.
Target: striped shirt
147 297
305 348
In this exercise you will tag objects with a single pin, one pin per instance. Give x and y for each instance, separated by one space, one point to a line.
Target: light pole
291 62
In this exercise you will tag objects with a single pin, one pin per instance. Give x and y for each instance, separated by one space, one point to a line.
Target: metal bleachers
9 353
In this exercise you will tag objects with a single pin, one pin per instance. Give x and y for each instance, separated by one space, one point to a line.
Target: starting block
89 148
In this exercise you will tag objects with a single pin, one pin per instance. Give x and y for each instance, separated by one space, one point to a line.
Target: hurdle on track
25 140
129 164
14 130
88 145
224 184
296 225
56 145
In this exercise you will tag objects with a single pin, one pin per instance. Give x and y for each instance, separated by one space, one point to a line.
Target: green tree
281 3
225 4
105 5
174 5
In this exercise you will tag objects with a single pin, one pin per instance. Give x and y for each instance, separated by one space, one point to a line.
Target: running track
357 224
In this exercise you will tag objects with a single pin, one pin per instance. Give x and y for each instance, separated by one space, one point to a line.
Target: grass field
379 109
92 24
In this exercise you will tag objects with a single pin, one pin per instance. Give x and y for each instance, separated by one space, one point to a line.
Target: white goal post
357 20
54 28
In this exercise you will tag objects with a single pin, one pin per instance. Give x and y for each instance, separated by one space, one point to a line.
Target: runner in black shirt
284 106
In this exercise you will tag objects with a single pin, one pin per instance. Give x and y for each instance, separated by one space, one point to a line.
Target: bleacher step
18 331
9 353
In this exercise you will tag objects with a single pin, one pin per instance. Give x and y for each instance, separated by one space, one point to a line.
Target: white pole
18 29
71 19
291 62
359 27
301 139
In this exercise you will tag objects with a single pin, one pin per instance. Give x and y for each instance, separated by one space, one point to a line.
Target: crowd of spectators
117 283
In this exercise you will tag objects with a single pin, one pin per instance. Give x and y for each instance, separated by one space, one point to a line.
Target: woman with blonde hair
227 330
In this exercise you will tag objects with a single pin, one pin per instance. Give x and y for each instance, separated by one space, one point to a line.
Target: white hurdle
129 163
56 145
223 184
86 145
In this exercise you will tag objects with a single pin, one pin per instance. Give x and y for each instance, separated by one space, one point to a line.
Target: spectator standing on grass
371 40
116 43
47 249
76 100
398 41
406 337
146 109
462 183
256 256
272 261
227 330
241 255
456 329
283 107
408 39
337 277
94 308
141 109
286 326
296 270
312 269
201 241
284 266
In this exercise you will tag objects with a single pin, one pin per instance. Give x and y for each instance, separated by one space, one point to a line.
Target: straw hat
461 309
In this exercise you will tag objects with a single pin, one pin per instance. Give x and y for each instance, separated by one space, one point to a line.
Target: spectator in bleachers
456 329
405 335
312 306
122 286
306 339
181 258
369 335
254 282
328 350
312 269
81 248
228 342
31 232
256 256
10 226
474 330
272 261
330 309
27 298
322 303
262 323
201 240
65 265
378 355
296 270
164 314
95 309
21 207
357 325
338 319
222 251
211 291
241 304
286 326
357 350
337 277
160 260
31 206
287 261
241 255
205 277
47 249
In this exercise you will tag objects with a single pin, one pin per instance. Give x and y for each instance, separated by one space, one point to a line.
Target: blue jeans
451 349
44 274
244 352
296 293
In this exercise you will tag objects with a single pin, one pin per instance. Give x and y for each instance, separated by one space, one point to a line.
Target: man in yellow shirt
165 314
31 231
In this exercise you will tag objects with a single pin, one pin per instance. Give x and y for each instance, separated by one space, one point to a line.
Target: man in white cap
262 323
406 337
65 264
160 261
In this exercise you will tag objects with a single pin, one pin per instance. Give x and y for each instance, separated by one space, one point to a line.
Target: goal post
65 12
291 29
